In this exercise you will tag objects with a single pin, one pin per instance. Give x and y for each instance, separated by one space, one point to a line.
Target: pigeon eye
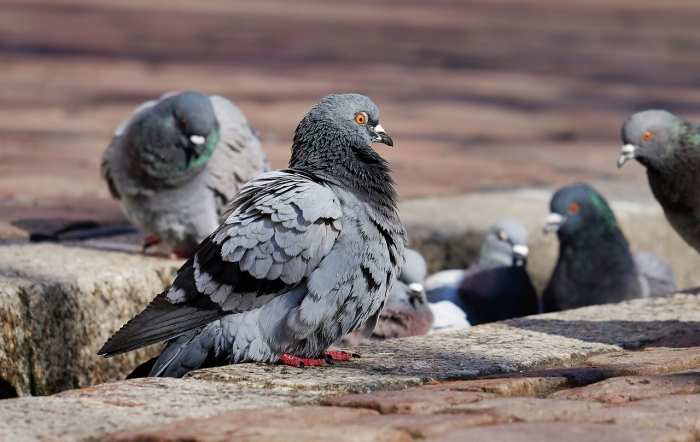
648 136
574 208
361 118
502 235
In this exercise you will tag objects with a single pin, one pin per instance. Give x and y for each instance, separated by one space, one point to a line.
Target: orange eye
648 136
361 118
574 208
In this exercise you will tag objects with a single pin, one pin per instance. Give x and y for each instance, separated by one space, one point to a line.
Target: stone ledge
531 363
57 306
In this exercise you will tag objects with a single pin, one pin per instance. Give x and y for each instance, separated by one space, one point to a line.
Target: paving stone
510 386
527 409
654 360
410 401
570 432
674 412
90 412
421 426
299 423
633 388
58 304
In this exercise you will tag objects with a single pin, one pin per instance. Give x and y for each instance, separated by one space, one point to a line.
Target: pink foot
298 362
150 241
339 355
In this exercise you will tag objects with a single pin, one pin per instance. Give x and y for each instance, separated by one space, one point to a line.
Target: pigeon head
505 245
650 137
175 137
337 133
576 209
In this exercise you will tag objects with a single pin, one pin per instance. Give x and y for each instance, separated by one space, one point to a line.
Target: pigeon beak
415 292
380 136
553 222
626 153
197 139
520 252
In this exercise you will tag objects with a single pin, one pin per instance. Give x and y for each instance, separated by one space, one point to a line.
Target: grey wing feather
239 156
656 275
281 226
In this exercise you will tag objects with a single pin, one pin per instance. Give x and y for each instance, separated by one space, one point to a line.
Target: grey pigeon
595 264
306 255
669 148
406 312
498 286
176 163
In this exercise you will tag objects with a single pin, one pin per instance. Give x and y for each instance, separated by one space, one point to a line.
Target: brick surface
632 388
566 431
299 423
654 360
410 401
522 386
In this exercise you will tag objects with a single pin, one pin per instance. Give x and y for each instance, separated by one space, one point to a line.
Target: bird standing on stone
595 264
669 148
306 255
176 163
498 286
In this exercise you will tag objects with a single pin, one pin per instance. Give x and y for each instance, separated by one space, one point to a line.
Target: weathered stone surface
94 411
558 431
411 401
299 423
528 409
633 388
507 386
669 412
654 360
57 306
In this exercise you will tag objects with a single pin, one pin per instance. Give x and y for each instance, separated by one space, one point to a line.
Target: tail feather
160 321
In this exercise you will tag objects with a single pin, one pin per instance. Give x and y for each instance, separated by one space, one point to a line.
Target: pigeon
176 163
406 312
498 286
595 264
669 148
305 256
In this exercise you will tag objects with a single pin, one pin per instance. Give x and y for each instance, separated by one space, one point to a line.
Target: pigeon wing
281 225
238 157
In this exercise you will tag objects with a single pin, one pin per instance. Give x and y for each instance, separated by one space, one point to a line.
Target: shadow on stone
630 335
7 391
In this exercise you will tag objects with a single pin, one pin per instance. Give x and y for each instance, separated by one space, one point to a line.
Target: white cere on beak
521 250
626 153
416 287
379 129
197 139
553 222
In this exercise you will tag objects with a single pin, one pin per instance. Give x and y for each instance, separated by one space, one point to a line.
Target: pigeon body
176 163
595 264
669 148
498 286
406 312
306 255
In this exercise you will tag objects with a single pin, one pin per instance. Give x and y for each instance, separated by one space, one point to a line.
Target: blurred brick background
477 94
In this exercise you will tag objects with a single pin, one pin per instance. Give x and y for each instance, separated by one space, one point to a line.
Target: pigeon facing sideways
595 264
177 162
669 148
306 255
498 286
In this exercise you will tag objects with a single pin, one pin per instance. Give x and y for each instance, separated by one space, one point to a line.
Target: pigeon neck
359 169
599 247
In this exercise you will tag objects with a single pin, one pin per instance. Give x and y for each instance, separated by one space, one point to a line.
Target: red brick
633 388
410 401
565 431
650 361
